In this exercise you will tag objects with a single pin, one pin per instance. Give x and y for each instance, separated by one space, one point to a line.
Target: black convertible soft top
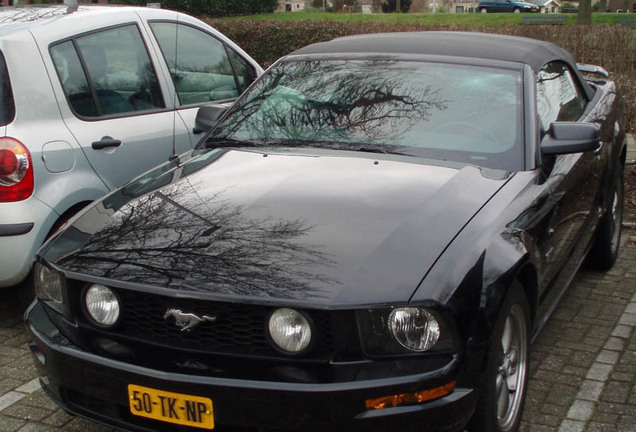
457 44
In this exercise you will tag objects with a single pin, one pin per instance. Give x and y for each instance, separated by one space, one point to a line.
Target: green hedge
610 46
213 8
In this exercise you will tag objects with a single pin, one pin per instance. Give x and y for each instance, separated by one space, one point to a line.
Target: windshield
442 111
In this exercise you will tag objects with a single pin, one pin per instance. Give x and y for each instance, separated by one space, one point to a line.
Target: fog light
414 328
47 283
102 305
290 330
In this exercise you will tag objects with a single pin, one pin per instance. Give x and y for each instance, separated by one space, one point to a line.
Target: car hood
330 228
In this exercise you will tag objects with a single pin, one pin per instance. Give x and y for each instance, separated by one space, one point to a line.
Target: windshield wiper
217 142
369 149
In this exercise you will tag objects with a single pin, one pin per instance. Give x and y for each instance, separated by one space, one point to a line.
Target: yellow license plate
171 407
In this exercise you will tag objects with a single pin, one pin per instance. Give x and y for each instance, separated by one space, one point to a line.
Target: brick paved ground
583 365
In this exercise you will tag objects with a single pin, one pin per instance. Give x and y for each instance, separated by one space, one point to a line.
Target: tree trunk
585 12
398 6
602 7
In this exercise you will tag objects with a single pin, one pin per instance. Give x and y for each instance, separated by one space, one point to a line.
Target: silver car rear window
7 108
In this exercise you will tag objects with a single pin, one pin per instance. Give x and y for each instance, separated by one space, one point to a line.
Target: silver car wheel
511 372
617 218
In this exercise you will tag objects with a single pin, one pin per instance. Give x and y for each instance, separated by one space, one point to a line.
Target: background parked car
515 6
92 99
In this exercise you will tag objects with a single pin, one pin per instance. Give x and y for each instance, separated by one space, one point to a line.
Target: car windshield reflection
439 111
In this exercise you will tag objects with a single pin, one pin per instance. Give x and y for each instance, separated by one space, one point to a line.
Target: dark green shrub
611 46
568 7
214 8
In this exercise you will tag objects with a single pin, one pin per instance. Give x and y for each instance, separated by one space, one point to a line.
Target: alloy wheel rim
511 371
617 217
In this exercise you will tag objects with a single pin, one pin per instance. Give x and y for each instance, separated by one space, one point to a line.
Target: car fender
499 245
511 256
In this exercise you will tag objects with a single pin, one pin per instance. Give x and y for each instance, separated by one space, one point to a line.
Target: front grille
238 328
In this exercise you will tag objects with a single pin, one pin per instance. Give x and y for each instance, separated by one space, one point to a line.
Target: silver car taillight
16 171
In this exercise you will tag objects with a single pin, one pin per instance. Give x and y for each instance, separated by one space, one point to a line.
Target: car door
204 69
116 108
574 179
499 6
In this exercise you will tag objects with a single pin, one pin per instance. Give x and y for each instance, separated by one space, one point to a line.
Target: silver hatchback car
91 99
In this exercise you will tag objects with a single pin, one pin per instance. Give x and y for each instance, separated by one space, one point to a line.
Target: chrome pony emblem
187 321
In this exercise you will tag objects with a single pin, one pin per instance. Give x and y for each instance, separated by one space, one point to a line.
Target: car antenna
175 97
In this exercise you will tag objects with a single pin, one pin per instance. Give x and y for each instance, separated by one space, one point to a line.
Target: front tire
503 388
604 251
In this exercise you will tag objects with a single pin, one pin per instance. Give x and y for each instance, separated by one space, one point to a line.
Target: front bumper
95 387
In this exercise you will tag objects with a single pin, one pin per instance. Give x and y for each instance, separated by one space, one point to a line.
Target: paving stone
81 425
599 372
39 400
535 428
608 357
572 426
628 320
59 418
618 409
600 427
8 384
591 390
626 424
617 392
575 370
582 359
622 331
581 410
37 427
556 410
631 308
26 412
10 424
9 399
604 417
615 344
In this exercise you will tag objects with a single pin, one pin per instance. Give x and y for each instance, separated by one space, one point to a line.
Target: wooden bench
543 19
626 21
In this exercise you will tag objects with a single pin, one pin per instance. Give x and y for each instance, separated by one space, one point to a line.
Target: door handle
105 142
600 147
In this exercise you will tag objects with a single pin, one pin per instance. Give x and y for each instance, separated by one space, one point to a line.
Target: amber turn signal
410 398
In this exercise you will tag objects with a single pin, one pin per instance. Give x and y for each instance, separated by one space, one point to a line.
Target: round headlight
415 329
290 330
102 305
47 283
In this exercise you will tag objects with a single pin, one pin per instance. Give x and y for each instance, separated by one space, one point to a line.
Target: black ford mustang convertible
368 239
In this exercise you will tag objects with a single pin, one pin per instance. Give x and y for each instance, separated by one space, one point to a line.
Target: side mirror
207 117
570 137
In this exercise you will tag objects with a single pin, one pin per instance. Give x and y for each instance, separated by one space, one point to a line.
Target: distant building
419 6
621 6
547 6
451 6
292 5
462 6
